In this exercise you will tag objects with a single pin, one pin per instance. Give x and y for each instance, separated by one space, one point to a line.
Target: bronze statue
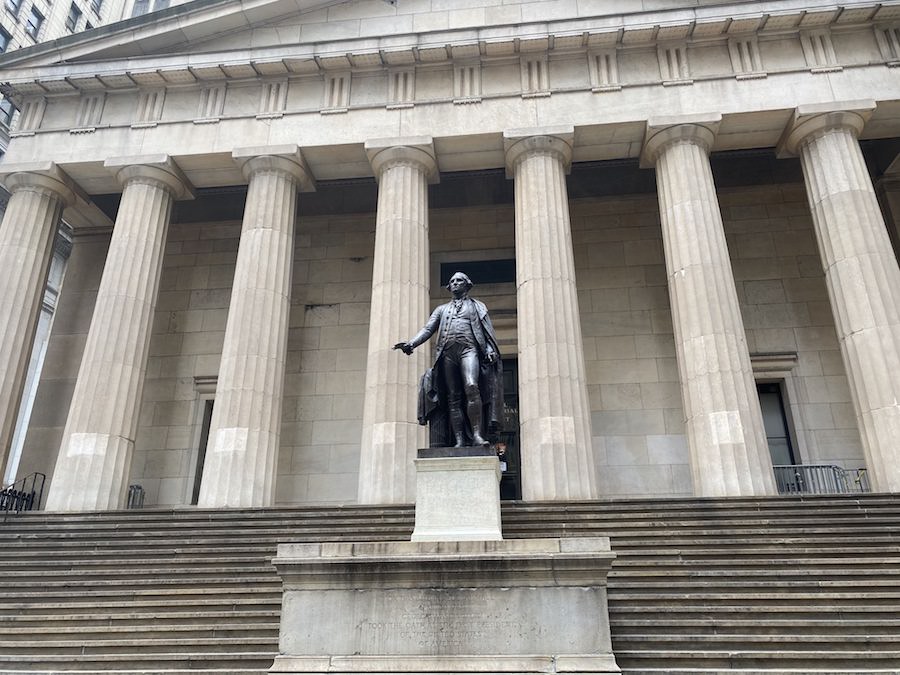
461 395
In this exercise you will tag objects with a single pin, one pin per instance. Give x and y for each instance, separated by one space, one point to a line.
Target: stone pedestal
445 607
457 495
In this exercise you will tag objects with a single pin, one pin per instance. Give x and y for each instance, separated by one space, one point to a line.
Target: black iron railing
819 479
23 495
135 497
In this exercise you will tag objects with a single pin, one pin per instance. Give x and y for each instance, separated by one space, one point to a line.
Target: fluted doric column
554 415
726 437
242 454
861 274
26 246
93 464
400 297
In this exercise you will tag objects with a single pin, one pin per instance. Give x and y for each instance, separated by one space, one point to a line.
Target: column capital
385 152
558 140
661 132
43 175
286 158
158 168
811 120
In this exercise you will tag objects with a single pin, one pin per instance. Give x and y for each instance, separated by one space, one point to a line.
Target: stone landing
514 606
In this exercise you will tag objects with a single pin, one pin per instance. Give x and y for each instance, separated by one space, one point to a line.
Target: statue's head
459 281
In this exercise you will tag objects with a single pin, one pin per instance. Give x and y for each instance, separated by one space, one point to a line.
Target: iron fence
819 479
23 495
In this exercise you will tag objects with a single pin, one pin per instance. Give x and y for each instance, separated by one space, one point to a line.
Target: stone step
776 627
791 612
725 660
175 619
92 580
167 671
251 564
137 661
697 582
708 586
141 632
675 562
162 605
146 647
753 671
747 641
756 598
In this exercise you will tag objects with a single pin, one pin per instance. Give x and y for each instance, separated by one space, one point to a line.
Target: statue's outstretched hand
405 347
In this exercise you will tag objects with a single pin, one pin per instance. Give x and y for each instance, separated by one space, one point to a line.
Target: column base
514 606
457 495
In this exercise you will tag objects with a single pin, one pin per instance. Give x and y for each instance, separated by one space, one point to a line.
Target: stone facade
512 131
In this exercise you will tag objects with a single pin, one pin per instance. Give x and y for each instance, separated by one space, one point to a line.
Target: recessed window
481 271
97 5
7 110
34 22
147 6
5 39
14 6
73 18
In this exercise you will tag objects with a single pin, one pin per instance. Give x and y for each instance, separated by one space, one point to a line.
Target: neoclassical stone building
679 213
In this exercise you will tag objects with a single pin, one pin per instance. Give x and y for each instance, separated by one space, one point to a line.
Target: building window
147 6
97 5
73 18
14 6
34 22
7 110
5 39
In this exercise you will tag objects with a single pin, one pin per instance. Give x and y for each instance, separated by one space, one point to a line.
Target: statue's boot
457 426
474 411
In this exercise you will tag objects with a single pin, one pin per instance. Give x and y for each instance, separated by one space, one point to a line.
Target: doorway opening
771 401
511 479
201 449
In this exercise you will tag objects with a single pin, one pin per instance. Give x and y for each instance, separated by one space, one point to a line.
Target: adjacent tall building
680 217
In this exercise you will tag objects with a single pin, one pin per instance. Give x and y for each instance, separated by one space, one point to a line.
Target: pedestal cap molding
384 152
517 143
811 120
159 168
44 175
287 158
661 132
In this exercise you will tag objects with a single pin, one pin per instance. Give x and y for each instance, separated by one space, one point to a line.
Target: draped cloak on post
433 404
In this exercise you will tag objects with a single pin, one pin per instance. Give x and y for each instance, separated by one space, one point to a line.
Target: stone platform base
513 606
445 665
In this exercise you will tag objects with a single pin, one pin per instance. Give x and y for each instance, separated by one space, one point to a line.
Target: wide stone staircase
797 585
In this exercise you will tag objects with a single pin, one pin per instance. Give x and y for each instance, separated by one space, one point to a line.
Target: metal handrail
819 479
135 497
23 495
